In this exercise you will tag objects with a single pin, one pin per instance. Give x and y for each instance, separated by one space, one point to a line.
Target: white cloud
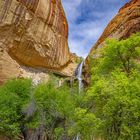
87 20
70 7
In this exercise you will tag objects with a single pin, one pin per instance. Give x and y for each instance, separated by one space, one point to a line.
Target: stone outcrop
33 33
126 22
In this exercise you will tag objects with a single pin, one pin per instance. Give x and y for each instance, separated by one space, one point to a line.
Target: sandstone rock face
126 22
33 33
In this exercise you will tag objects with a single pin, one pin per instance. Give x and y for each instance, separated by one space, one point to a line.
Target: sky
87 20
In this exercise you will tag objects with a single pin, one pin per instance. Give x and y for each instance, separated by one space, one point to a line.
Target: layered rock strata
33 33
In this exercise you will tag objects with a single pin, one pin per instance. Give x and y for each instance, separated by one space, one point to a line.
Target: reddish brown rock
33 33
126 22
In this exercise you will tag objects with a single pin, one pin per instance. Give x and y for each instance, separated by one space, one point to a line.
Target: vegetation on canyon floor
114 95
109 108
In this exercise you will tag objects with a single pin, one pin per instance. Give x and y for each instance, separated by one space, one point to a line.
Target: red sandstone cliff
33 34
126 22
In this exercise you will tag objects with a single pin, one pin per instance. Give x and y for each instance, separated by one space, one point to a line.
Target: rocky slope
33 39
125 23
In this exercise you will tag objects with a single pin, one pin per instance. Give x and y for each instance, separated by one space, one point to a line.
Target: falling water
79 75
77 137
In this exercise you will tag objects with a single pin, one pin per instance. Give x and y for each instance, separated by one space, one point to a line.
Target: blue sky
87 19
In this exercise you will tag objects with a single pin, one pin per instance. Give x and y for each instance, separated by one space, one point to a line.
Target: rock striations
126 22
33 38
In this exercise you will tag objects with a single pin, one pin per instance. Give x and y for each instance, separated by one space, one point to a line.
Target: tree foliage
57 105
26 107
15 95
110 109
114 96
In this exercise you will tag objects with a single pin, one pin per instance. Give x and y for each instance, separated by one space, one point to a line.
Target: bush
15 94
114 96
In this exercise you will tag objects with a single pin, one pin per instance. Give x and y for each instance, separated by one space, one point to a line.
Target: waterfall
77 137
79 75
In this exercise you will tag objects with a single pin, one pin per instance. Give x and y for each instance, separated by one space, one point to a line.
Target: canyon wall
125 23
33 39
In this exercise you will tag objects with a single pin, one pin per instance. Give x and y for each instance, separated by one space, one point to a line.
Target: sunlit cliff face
34 34
42 27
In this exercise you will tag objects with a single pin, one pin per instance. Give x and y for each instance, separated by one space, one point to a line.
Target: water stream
79 75
77 137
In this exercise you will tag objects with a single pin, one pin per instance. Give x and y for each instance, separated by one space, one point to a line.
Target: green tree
45 109
116 102
110 109
57 105
122 54
85 124
15 95
114 96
